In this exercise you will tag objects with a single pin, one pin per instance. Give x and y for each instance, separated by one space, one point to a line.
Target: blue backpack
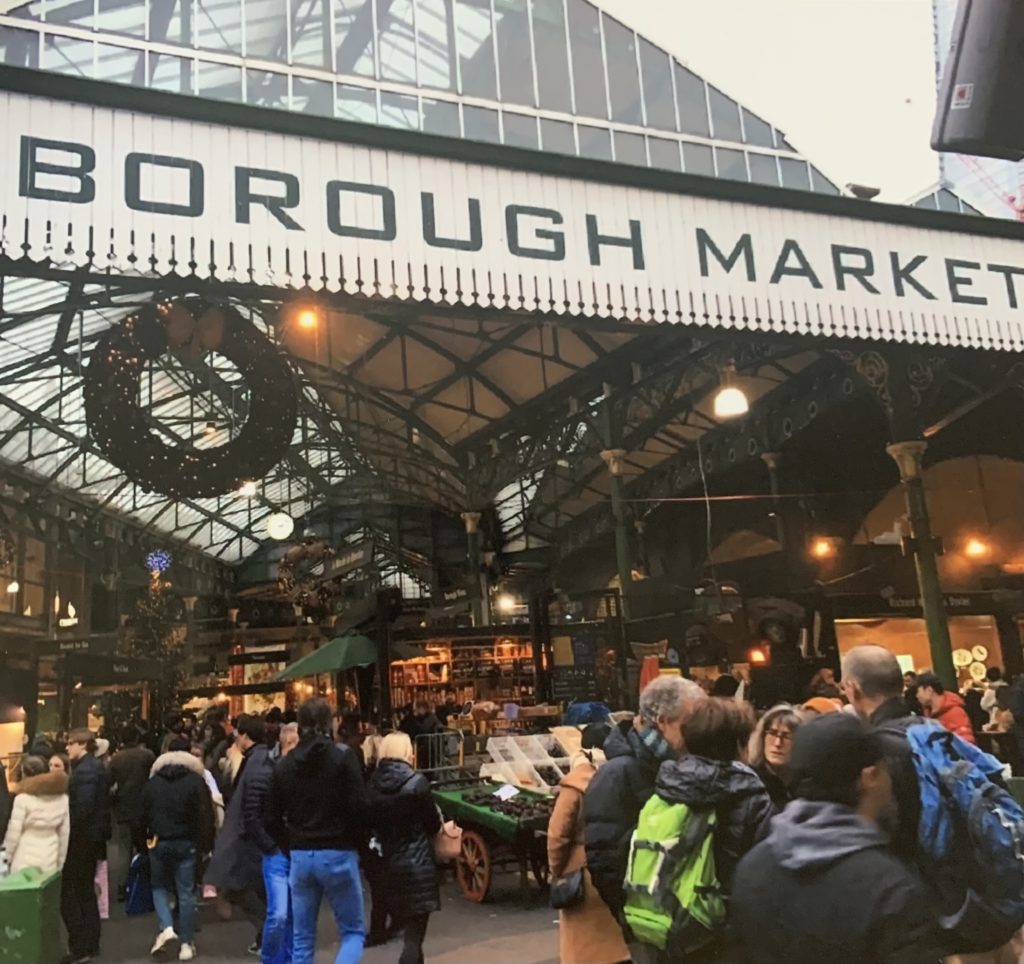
970 839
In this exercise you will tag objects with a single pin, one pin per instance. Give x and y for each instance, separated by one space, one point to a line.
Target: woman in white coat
37 835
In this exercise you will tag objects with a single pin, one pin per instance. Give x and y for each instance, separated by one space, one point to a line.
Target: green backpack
673 898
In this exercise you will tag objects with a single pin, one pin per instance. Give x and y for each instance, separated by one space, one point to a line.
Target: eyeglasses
779 736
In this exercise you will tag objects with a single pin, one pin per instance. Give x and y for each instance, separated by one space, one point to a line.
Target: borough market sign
128 191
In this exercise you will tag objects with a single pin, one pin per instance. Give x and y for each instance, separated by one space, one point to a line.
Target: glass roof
554 75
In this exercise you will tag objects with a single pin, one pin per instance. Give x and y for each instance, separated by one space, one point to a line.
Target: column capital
772 459
613 458
908 457
190 603
472 522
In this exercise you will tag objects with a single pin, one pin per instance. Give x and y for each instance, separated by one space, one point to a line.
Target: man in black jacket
176 815
824 886
88 793
129 772
317 808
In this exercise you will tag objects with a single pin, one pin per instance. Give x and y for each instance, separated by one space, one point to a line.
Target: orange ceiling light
975 548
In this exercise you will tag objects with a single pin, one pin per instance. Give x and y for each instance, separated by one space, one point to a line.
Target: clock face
978 670
962 658
980 653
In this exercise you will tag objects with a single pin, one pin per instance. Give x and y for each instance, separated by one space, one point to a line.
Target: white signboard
130 192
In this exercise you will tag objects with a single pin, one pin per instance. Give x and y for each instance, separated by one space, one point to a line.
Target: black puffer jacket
824 888
405 821
611 808
741 803
89 796
176 802
254 804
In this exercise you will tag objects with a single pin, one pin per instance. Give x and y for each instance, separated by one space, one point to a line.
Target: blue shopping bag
139 898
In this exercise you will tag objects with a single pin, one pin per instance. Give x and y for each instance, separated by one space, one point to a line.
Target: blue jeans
172 866
277 931
333 874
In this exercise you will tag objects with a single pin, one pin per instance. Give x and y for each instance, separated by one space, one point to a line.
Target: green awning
341 653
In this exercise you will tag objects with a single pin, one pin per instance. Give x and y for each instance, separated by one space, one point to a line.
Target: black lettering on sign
335 189
744 248
903 275
860 272
802 268
634 242
1009 273
515 245
476 235
32 166
958 281
276 203
193 208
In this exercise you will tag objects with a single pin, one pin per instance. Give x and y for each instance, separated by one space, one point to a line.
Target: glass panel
657 80
220 81
595 142
763 169
63 55
693 107
396 46
947 201
664 154
399 110
119 65
756 131
623 79
630 149
356 104
167 25
311 33
725 116
795 174
514 57
782 144
731 164
266 89
353 34
76 12
557 136
173 74
697 159
441 117
313 96
29 11
552 55
476 49
220 27
119 16
19 47
520 130
265 36
480 124
435 23
821 184
587 65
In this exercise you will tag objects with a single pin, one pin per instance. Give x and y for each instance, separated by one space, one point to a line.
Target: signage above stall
121 185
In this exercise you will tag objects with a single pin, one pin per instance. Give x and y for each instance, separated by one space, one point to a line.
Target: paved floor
503 931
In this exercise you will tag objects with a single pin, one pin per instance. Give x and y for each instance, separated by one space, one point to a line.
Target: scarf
659 747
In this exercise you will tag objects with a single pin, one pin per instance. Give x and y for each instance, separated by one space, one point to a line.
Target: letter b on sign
70 163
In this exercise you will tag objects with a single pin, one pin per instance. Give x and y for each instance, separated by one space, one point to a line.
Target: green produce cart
30 917
496 836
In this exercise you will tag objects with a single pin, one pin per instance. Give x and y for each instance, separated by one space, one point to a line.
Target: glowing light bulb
13 587
247 490
731 402
823 548
506 603
307 318
976 548
280 525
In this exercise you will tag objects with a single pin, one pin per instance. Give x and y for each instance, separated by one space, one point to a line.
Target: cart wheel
539 866
473 867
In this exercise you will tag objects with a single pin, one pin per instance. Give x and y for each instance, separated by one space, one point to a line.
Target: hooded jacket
129 770
824 887
405 821
40 824
952 714
611 810
317 798
734 791
176 803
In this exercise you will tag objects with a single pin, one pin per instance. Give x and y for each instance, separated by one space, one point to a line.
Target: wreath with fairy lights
188 328
301 570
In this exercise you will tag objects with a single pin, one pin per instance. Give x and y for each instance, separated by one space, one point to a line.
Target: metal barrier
440 754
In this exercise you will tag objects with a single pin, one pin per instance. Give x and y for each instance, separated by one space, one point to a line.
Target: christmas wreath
190 328
300 571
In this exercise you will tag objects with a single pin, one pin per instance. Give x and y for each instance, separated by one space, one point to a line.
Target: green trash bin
30 917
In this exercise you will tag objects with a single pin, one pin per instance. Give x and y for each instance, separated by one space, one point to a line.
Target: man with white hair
619 790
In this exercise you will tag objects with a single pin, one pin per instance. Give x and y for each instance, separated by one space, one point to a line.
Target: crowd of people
265 816
701 834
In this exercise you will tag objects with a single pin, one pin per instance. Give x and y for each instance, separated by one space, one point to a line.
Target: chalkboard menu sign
570 683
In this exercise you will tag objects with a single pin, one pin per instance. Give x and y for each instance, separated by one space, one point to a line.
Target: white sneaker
162 940
187 952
